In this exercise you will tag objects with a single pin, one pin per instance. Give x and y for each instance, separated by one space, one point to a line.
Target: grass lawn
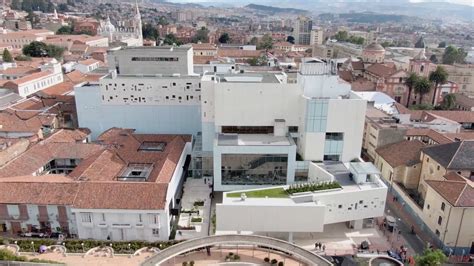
271 193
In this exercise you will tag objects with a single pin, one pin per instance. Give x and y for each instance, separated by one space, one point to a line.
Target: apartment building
302 30
434 183
125 186
18 39
26 84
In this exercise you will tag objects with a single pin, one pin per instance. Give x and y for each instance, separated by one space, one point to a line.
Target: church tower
137 24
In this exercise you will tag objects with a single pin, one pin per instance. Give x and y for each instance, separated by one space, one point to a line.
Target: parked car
394 255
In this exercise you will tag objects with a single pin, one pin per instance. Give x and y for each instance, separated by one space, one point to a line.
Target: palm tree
437 77
410 83
422 86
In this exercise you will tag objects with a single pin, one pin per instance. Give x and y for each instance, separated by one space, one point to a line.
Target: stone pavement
418 240
195 190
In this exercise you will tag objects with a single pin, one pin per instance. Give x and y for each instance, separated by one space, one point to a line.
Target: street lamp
33 247
82 244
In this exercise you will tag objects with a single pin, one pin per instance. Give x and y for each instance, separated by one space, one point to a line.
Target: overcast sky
464 2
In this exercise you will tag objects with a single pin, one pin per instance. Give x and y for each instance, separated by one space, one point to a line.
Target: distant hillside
271 9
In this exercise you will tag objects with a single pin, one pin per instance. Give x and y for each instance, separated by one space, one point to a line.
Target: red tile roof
401 153
457 193
380 70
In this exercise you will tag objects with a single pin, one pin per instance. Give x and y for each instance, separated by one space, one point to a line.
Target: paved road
404 225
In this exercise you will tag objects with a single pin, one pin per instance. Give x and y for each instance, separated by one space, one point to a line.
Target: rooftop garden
280 192
263 193
298 188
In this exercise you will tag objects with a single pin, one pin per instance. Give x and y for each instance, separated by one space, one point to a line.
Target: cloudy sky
464 2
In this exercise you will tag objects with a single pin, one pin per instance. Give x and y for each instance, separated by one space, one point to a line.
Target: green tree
453 55
437 77
434 59
35 49
449 102
290 39
431 258
341 36
265 43
442 44
422 86
224 38
420 43
150 32
170 39
62 7
54 51
40 49
65 30
7 56
410 83
202 35
254 41
33 18
16 5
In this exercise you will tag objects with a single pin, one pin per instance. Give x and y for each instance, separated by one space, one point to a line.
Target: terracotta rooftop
401 153
380 70
464 100
88 62
357 65
121 195
204 46
28 78
457 193
457 116
238 53
19 71
436 136
362 84
41 193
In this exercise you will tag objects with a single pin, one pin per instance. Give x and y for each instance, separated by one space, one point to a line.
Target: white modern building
359 196
252 129
262 130
151 89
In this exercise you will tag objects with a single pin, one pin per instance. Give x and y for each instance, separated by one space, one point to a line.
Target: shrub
274 261
196 220
298 188
185 263
191 263
74 245
281 263
266 259
198 203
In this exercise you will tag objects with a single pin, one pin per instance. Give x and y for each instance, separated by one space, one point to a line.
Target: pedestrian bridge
297 252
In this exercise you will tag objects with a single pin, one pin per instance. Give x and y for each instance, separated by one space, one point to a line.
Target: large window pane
254 169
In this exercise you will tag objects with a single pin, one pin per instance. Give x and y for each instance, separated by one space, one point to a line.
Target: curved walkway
298 252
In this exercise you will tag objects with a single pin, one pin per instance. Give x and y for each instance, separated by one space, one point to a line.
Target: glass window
254 169
443 206
440 220
86 217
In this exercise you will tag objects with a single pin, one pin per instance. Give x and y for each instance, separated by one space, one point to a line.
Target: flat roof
252 140
246 77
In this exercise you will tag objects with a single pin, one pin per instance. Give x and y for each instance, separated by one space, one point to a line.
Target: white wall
256 104
116 220
275 218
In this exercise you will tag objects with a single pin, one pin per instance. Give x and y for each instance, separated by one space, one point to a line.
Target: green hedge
74 245
7 255
312 187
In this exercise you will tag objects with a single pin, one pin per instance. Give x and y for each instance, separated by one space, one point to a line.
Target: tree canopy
453 55
290 39
171 39
265 43
224 38
420 43
40 49
431 258
343 36
34 5
422 86
65 30
202 35
150 32
7 56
